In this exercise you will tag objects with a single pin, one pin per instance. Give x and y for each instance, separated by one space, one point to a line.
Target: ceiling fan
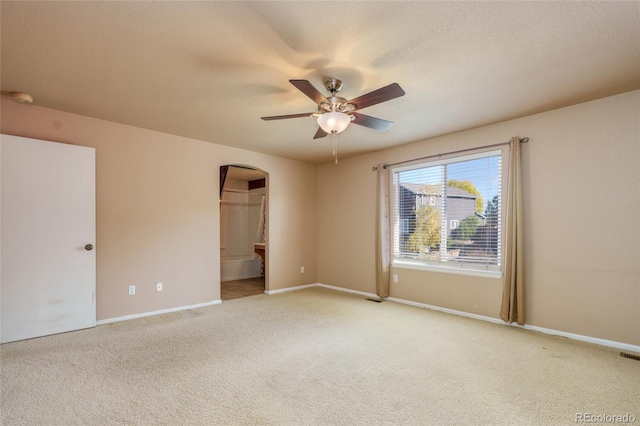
335 104
335 113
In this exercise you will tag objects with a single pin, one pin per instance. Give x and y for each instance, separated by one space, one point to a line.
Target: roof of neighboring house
435 190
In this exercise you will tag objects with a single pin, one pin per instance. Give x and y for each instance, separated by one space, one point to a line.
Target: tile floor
241 288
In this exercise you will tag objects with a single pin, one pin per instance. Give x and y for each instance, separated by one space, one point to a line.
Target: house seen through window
448 212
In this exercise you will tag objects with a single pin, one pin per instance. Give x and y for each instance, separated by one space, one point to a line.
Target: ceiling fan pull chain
334 142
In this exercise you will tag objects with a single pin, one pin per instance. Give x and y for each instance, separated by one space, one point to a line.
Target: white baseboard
580 337
573 336
284 290
162 311
595 340
301 287
348 290
446 310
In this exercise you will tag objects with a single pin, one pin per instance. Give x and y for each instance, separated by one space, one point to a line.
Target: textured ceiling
210 70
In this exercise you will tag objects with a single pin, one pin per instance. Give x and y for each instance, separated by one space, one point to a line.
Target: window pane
449 212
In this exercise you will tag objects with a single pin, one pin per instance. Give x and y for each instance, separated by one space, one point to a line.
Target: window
460 226
404 226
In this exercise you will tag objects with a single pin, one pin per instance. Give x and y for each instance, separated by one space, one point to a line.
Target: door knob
88 247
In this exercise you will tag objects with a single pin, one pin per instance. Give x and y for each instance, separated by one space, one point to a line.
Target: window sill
407 264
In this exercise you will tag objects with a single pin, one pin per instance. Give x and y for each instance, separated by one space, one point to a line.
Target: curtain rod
522 140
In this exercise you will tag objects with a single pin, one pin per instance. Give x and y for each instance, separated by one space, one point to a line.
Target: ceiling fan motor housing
337 104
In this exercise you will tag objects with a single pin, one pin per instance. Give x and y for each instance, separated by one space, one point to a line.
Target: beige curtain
383 255
513 280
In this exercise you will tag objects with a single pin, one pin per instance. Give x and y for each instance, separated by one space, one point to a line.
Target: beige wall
581 177
157 216
158 211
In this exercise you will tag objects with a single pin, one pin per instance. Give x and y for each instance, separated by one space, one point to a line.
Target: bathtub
240 267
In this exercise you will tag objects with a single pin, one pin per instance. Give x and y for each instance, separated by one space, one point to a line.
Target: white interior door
47 216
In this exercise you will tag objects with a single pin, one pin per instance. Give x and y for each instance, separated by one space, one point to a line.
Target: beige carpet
311 357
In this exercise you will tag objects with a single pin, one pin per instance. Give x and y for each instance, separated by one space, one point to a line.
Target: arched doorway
243 231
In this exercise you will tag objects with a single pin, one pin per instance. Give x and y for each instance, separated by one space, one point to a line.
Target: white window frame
445 267
453 224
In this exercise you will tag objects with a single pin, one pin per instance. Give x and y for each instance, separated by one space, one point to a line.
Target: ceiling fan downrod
333 85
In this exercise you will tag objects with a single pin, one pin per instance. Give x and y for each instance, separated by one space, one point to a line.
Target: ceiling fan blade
307 88
281 117
372 122
383 94
320 133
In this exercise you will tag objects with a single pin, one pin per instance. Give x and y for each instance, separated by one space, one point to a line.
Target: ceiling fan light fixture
334 122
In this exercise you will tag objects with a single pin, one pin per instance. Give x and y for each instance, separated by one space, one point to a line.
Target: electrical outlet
132 290
395 278
158 286
302 269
